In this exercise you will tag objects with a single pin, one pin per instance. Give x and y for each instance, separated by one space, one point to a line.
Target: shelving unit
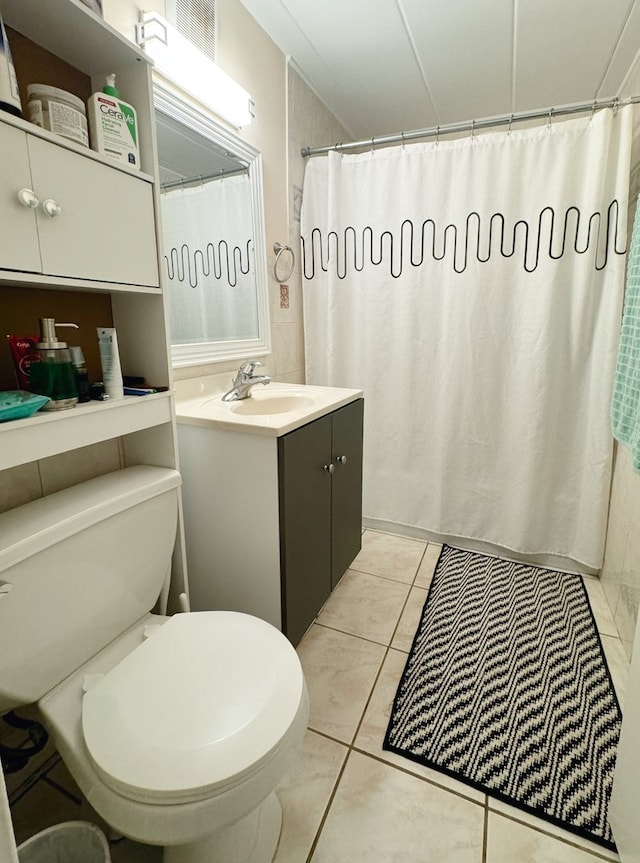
70 253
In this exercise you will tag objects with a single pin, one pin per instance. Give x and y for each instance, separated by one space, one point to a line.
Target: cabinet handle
52 208
329 468
341 459
28 198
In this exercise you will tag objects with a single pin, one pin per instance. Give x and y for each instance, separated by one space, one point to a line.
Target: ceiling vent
196 21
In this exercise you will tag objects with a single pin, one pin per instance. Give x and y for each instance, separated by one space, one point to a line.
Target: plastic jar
58 111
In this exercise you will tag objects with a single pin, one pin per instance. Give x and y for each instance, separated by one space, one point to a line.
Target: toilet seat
195 709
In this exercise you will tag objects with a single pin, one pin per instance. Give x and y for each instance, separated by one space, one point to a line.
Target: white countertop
294 405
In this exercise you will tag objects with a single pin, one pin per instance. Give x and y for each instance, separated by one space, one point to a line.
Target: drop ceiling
387 66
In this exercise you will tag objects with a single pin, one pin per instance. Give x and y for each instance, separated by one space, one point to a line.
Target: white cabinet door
18 235
100 224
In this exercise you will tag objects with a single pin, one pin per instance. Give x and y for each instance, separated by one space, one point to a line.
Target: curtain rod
202 177
473 125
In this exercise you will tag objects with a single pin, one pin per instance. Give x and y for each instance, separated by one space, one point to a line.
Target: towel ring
278 248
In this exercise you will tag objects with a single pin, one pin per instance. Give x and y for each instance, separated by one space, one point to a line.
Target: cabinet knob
341 459
329 468
28 198
52 208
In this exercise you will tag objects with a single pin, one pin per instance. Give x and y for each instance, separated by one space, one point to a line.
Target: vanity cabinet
72 216
272 523
320 496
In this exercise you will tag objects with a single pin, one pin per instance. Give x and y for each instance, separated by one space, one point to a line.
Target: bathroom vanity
272 497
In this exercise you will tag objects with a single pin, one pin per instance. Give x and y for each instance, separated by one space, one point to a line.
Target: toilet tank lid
37 525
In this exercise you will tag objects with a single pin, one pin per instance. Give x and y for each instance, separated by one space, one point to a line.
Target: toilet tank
77 568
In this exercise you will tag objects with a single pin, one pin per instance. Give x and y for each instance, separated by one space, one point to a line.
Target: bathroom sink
265 405
271 410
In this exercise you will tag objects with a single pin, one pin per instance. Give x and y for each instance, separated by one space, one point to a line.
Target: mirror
214 257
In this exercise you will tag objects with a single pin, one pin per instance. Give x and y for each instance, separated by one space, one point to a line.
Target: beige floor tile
428 565
600 607
383 815
365 605
340 671
396 557
618 663
374 724
305 794
511 842
409 620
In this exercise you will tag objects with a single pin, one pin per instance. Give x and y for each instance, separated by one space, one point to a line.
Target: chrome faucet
243 381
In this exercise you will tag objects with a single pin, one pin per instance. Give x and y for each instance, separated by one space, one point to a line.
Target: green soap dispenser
52 371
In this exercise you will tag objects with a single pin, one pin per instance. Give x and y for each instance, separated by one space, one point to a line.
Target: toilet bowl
177 729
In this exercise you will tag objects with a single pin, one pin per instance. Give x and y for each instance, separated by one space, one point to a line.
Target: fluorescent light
177 59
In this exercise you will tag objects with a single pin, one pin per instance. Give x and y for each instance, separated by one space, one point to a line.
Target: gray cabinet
320 485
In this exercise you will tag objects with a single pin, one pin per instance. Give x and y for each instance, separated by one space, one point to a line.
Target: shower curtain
473 289
209 263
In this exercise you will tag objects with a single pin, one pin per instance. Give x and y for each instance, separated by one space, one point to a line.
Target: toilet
176 729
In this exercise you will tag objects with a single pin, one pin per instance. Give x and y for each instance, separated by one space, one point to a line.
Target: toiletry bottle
51 372
82 376
113 125
110 361
9 95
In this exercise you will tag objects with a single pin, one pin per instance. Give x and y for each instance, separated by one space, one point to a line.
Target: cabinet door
346 486
105 227
19 248
305 524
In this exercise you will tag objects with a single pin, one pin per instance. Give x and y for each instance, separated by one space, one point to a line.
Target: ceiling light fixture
178 60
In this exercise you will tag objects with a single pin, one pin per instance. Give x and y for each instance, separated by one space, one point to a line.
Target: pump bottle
52 372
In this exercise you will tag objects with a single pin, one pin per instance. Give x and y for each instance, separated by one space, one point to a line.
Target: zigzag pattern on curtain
222 261
552 237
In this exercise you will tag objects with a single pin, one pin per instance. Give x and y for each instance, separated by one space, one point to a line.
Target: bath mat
507 689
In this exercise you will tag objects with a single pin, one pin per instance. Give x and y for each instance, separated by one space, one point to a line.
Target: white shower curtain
209 261
473 290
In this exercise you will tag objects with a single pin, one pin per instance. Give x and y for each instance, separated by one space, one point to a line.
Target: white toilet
177 729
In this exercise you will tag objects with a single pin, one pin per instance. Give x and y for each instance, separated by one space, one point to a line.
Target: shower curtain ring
593 109
549 120
510 123
372 144
473 129
615 106
437 135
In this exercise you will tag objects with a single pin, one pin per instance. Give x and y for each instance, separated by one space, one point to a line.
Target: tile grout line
351 746
571 842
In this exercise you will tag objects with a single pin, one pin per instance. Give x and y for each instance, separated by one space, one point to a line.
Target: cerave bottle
113 125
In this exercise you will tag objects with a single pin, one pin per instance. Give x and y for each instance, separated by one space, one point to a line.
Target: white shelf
70 30
53 432
62 283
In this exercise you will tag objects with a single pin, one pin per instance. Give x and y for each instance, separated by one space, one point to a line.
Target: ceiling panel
362 43
615 81
387 66
466 52
563 49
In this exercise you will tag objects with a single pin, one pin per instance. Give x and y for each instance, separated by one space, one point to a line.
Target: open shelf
53 432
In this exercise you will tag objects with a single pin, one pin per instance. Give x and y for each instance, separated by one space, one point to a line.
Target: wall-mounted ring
278 248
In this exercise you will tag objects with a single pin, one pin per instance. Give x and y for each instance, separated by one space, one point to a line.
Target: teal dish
18 404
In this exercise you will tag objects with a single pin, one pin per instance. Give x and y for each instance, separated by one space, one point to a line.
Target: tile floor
348 801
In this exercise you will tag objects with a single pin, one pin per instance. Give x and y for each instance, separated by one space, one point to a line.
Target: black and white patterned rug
507 689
